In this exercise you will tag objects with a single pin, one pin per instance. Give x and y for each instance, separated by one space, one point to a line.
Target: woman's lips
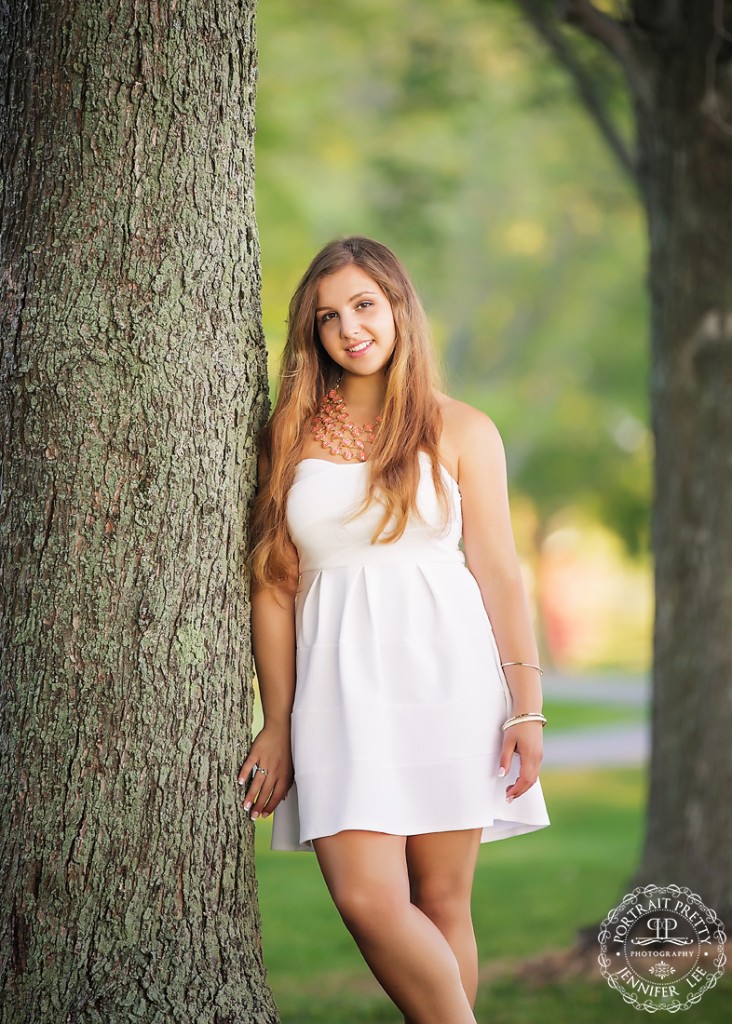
358 350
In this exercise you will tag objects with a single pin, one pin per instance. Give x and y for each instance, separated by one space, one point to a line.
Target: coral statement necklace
337 432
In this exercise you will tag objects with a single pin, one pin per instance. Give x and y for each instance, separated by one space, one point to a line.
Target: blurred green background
447 132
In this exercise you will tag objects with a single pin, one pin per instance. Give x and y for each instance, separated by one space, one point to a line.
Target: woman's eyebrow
352 299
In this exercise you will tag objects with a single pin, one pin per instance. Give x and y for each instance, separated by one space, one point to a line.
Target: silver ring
262 770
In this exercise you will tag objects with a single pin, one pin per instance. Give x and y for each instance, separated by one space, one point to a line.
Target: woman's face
355 321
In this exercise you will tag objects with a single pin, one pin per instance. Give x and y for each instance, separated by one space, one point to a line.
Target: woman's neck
364 396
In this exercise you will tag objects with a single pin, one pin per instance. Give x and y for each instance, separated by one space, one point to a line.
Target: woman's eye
364 305
326 317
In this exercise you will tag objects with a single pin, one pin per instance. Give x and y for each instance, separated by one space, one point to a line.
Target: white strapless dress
400 694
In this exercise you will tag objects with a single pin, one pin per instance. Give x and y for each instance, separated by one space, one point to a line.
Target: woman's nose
349 325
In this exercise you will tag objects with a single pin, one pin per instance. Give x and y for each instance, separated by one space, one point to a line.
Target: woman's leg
441 867
366 873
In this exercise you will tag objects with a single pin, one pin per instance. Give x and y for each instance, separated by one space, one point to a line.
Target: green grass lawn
564 716
531 895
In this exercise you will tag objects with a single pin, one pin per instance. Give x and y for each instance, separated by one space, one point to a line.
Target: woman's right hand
271 753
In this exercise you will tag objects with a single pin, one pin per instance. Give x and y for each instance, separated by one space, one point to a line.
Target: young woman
400 686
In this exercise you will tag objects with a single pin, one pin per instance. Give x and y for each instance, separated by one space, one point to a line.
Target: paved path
622 744
630 690
614 745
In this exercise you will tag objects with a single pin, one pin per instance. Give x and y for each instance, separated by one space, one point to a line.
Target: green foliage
448 133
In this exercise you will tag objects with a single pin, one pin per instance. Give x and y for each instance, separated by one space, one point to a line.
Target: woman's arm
273 645
491 555
273 642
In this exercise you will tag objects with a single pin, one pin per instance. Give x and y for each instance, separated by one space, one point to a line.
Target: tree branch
595 23
586 88
610 33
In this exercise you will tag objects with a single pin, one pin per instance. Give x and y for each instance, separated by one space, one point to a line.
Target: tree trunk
685 166
133 380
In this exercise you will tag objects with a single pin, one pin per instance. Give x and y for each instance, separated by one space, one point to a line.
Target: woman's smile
360 349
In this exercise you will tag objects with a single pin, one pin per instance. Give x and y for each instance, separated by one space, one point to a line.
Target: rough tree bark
133 379
677 58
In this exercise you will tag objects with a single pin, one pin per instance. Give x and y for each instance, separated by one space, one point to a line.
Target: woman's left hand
525 739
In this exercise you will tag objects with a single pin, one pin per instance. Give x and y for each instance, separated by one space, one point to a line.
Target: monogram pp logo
661 948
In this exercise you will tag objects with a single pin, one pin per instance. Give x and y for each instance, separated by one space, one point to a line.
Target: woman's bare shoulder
464 427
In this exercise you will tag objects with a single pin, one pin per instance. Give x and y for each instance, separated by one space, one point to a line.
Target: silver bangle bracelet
528 716
524 664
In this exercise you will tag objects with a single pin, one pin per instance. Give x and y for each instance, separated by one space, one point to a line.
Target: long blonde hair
411 418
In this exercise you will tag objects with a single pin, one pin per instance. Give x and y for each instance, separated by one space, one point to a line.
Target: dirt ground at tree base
579 961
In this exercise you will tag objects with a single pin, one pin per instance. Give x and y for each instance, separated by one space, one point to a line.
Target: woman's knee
365 905
446 901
